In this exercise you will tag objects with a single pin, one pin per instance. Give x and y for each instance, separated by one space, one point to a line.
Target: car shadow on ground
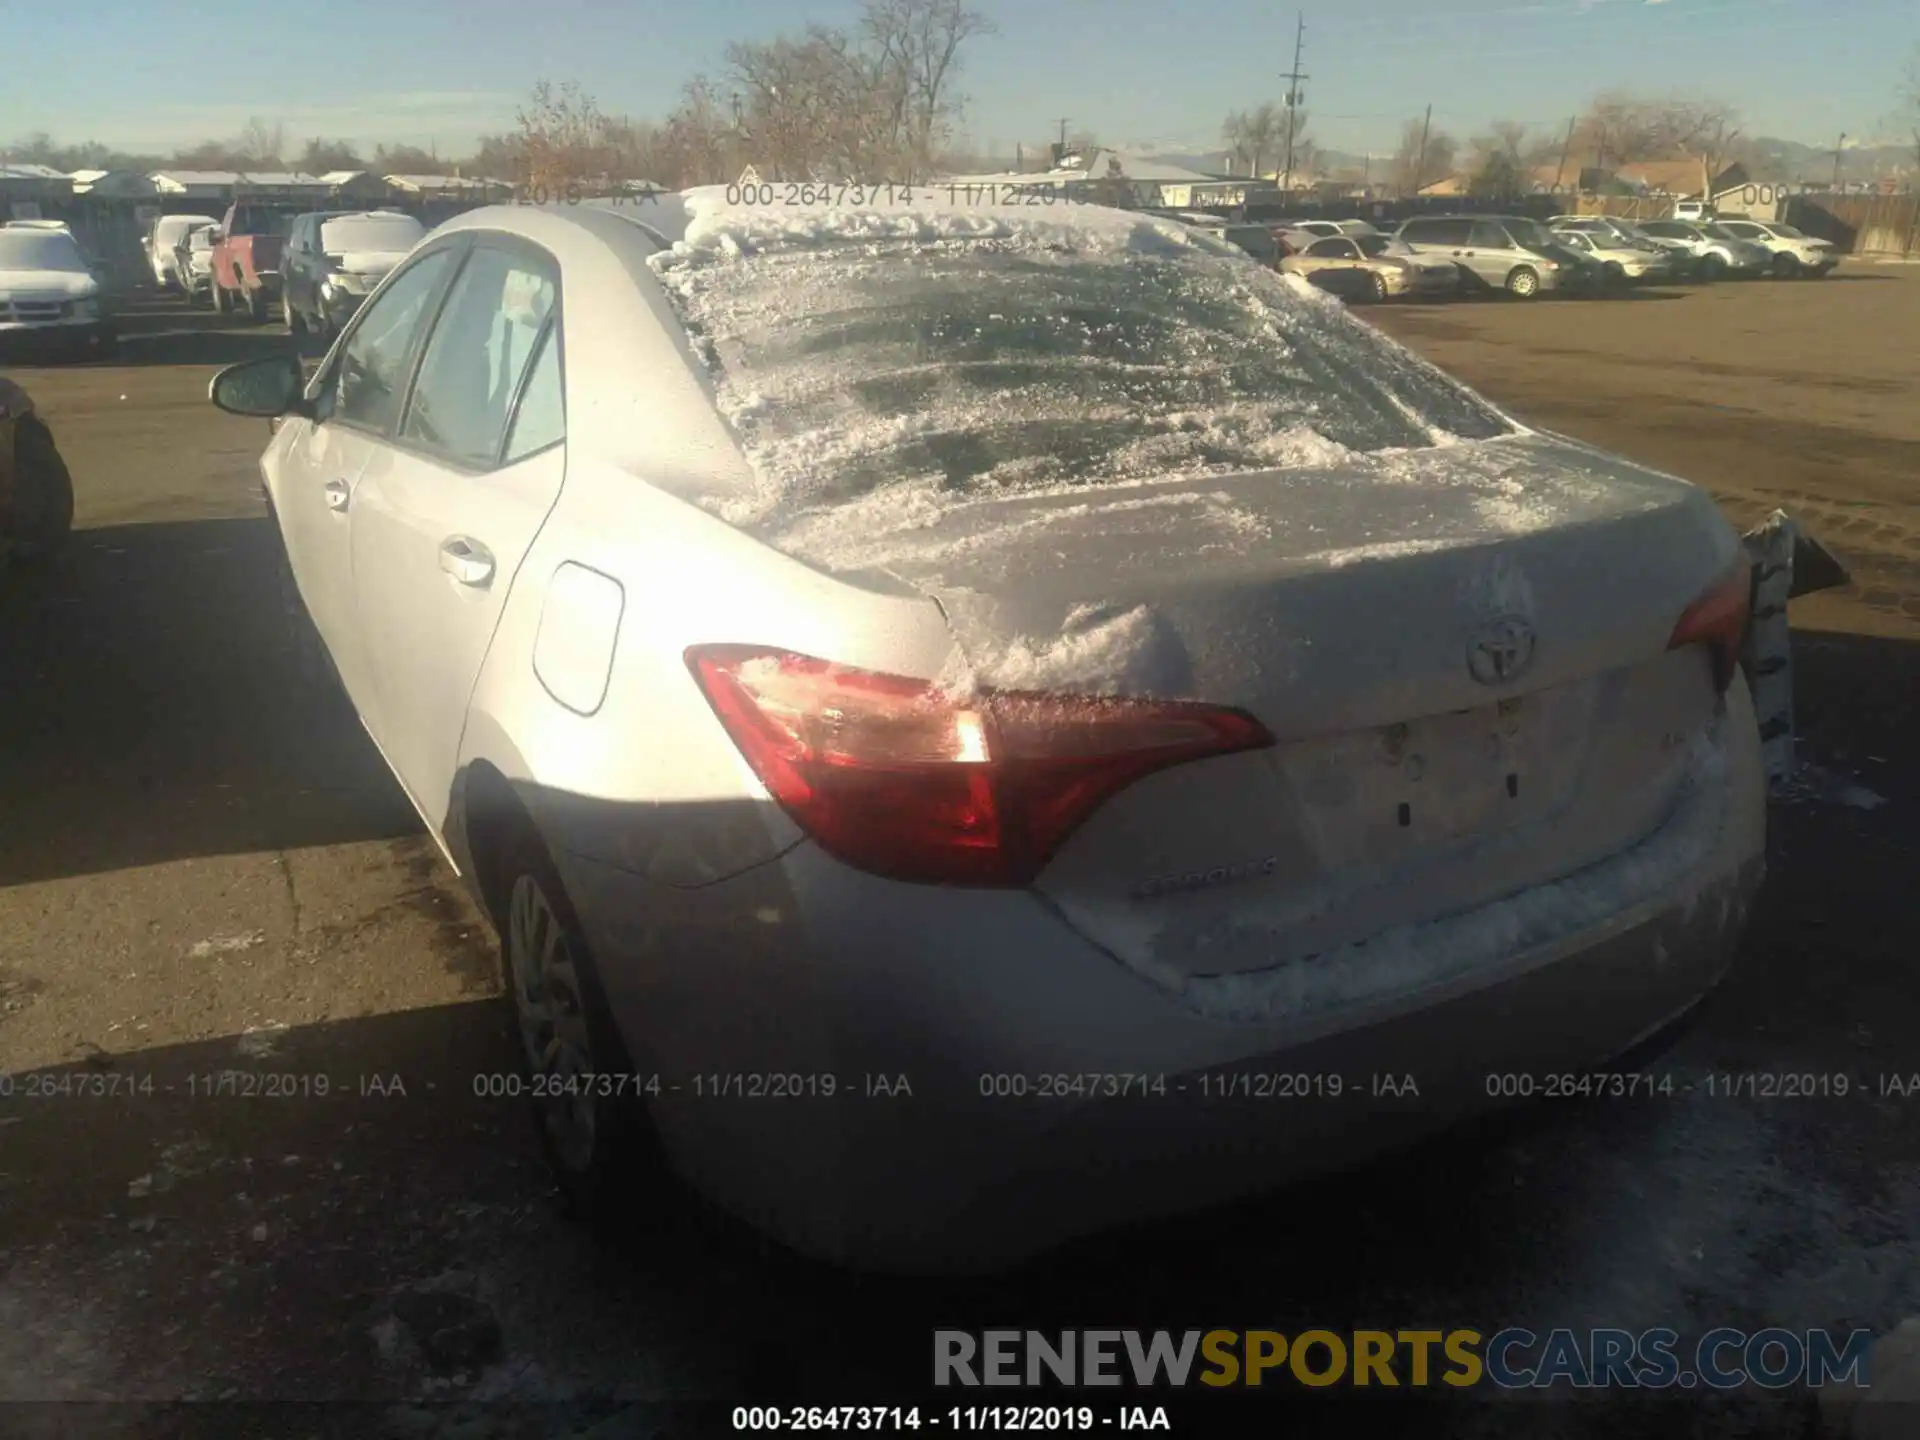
152 710
164 330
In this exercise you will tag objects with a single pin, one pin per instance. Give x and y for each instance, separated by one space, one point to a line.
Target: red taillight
1718 620
902 779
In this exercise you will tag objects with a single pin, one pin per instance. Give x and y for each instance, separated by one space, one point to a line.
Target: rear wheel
295 325
1523 283
1614 274
599 1145
218 295
1785 266
1376 286
1712 267
255 301
43 492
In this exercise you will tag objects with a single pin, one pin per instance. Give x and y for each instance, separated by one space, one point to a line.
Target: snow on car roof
718 225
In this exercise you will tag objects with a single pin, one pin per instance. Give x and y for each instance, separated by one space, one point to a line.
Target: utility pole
1294 96
1836 158
1420 165
1566 150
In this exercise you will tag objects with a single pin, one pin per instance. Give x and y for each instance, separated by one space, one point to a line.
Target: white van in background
167 232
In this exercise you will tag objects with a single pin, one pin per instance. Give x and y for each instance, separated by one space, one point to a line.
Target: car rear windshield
390 234
40 250
1035 354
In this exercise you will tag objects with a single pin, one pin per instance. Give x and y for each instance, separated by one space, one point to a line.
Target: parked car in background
163 240
1693 210
1298 234
939 754
1373 267
335 258
1619 262
1498 252
193 261
1716 253
246 258
1794 251
1610 230
50 300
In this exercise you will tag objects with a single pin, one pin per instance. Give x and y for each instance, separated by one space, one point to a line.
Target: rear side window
1035 357
1333 249
479 350
541 418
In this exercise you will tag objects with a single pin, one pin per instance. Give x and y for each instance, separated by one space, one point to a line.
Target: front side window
482 346
370 379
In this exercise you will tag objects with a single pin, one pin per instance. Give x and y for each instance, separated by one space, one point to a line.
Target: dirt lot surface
199 880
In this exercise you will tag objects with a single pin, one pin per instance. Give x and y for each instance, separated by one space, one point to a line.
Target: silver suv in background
1717 251
1794 251
1500 252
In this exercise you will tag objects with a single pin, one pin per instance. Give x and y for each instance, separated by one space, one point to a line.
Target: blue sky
1162 72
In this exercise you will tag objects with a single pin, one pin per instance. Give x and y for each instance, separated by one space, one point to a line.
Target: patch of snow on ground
1412 958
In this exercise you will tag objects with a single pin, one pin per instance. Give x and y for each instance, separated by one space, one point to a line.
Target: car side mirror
266 388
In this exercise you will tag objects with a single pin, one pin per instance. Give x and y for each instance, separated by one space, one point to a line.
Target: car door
1489 252
444 517
290 264
315 475
1336 256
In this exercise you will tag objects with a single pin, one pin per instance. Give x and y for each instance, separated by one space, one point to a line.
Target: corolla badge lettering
1204 879
1500 650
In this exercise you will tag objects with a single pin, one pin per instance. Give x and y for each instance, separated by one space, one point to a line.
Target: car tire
1712 267
217 294
1524 283
46 530
1614 275
296 326
255 303
600 1147
1376 287
1786 267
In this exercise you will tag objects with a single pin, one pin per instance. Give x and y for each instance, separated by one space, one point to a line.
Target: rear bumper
753 998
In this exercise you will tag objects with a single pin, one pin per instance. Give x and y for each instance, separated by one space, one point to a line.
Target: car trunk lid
1462 654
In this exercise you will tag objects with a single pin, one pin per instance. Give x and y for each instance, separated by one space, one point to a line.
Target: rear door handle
466 560
337 494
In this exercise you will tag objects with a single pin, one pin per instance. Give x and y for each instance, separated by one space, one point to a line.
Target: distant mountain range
1767 157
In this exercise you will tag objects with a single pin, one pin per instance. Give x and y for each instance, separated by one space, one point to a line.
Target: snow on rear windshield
852 349
391 233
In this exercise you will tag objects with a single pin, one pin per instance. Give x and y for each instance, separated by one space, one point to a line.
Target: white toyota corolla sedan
981 725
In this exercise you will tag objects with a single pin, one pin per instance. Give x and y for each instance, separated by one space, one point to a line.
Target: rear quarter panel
650 781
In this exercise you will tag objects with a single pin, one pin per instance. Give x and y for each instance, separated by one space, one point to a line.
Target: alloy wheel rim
549 1005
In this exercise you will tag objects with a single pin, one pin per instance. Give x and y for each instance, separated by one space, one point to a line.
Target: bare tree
1415 166
260 146
1620 129
319 156
917 48
1704 131
1253 136
564 138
